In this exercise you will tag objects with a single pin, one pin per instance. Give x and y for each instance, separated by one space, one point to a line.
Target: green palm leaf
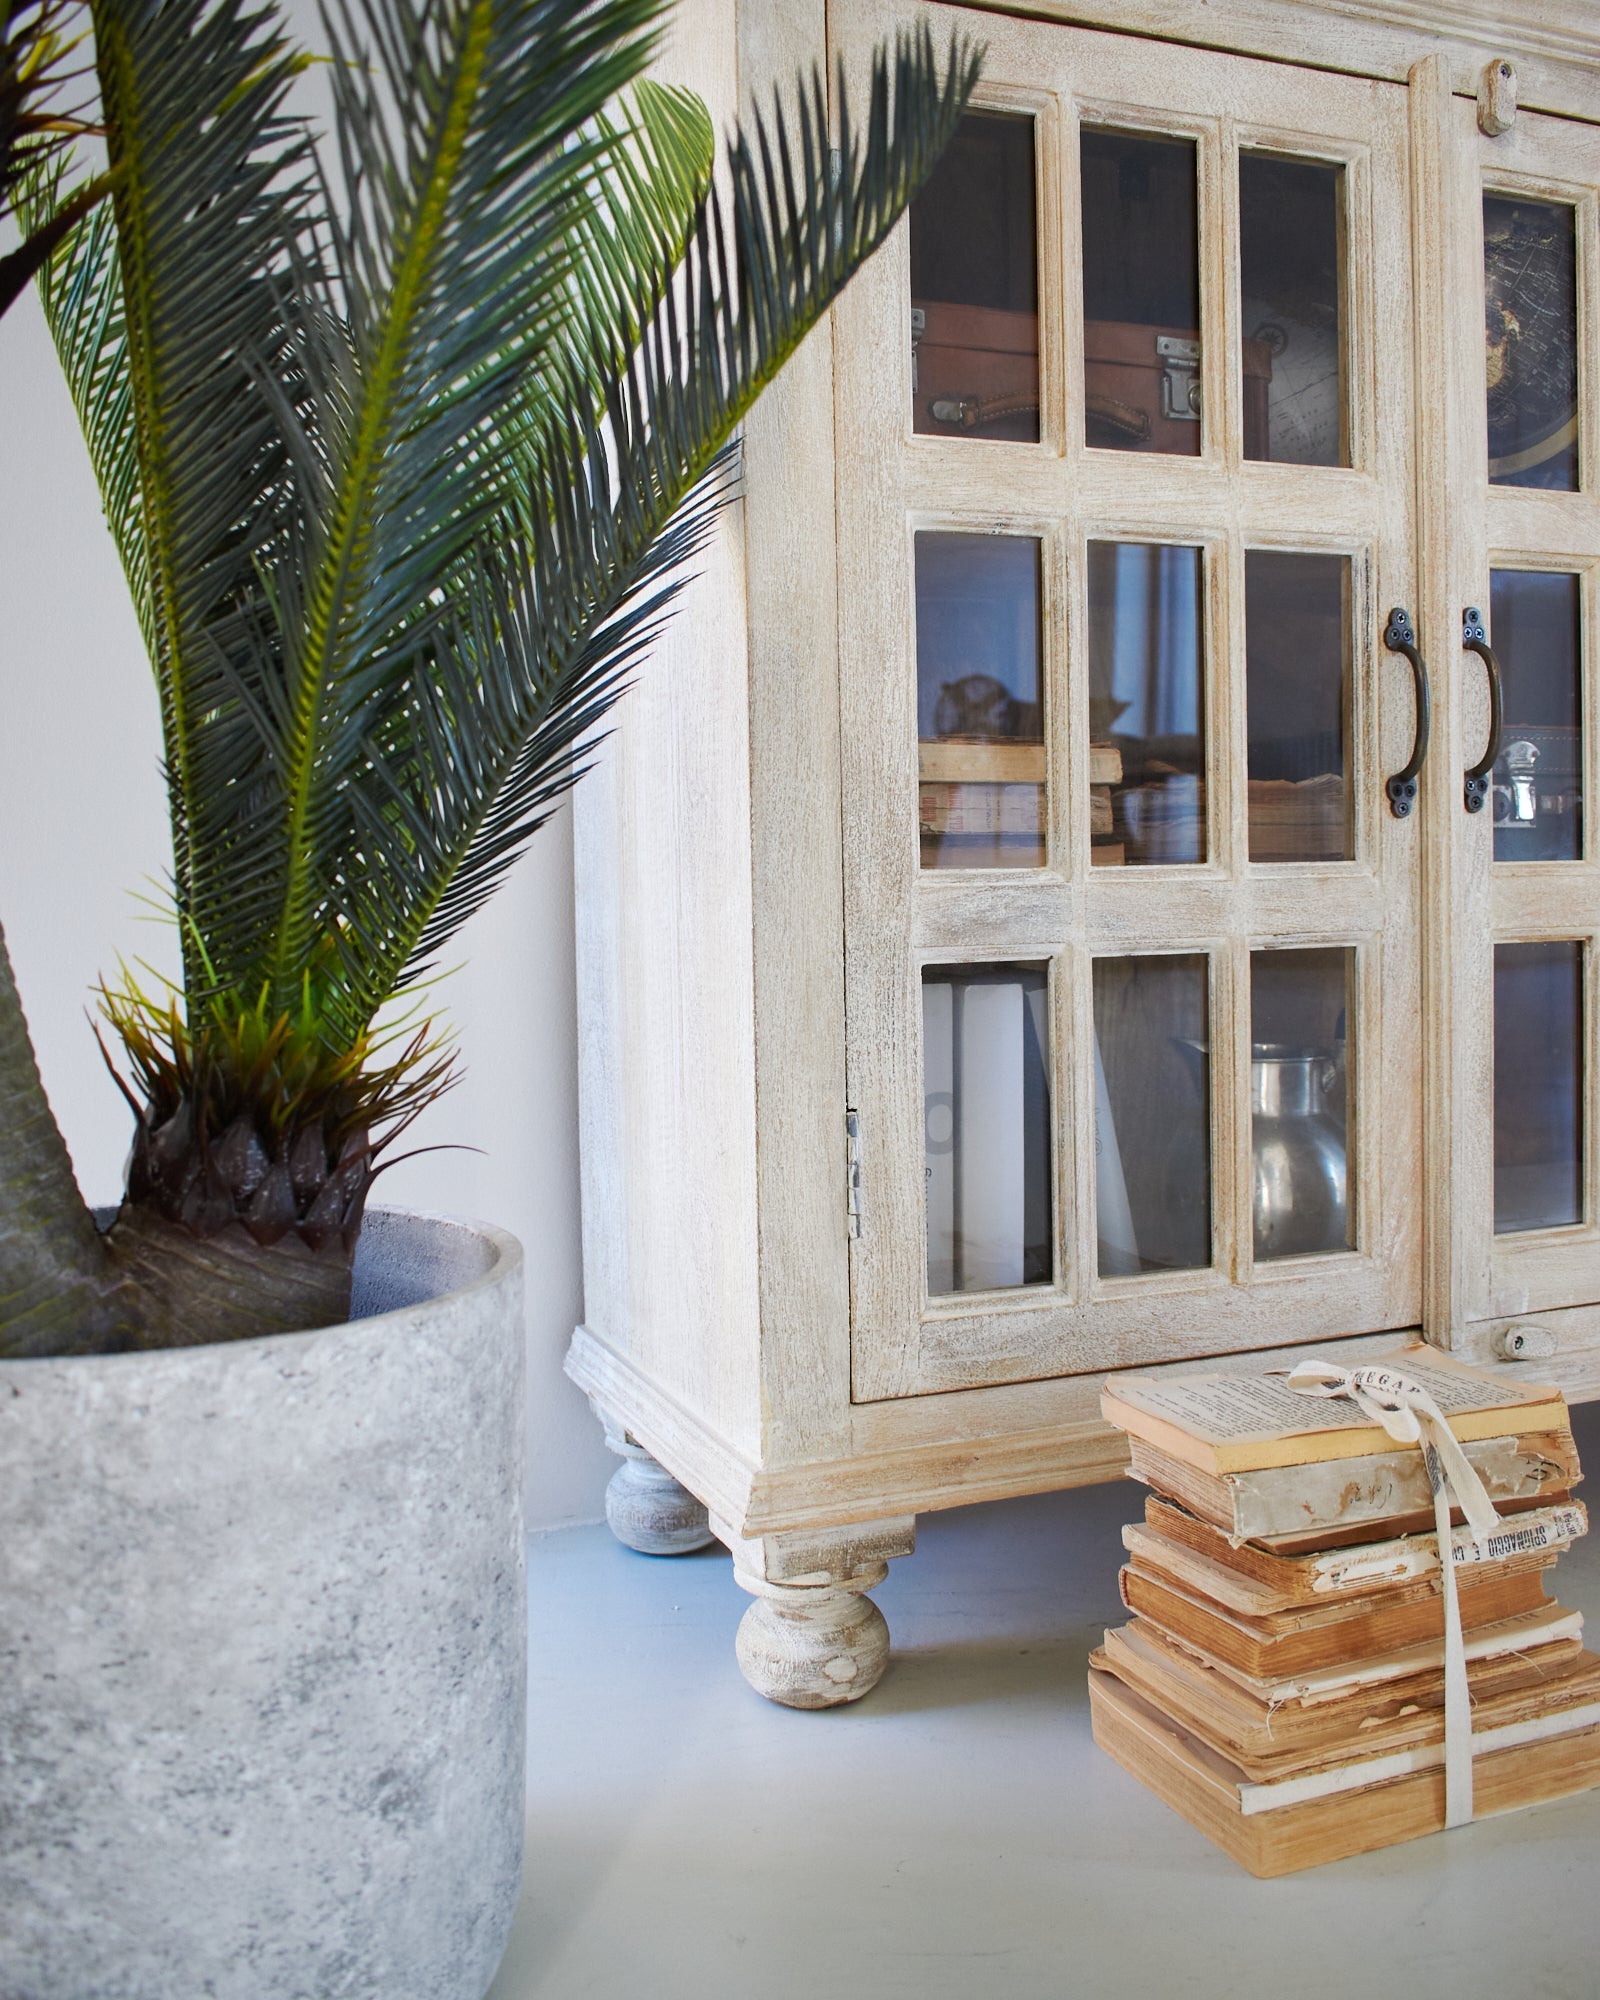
484 740
405 487
80 289
39 61
214 197
499 223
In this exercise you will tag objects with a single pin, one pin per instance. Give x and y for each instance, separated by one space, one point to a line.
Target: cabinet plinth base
647 1509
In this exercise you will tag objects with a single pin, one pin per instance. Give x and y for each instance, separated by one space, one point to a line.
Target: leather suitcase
976 373
1142 388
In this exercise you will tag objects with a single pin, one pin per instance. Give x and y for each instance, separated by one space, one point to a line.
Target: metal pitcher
1301 1170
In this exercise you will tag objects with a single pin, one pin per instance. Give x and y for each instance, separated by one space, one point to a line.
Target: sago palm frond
575 596
405 483
40 68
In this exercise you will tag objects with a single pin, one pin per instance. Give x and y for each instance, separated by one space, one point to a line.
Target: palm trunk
59 1290
148 1282
224 1285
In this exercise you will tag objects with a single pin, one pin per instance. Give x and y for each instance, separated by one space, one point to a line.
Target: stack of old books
1281 1682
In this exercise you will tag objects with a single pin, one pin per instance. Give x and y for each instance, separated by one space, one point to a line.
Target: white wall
83 829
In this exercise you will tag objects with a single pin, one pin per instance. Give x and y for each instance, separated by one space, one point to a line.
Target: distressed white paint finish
753 813
813 1638
1515 528
263 1700
664 940
1556 43
647 1509
1067 495
813 1647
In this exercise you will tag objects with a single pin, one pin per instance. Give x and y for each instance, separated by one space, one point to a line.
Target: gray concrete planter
262 1649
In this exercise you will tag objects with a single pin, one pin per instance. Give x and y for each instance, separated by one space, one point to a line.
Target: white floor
957 1834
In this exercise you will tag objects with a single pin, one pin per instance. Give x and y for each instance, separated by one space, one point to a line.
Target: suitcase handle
1399 637
1123 418
971 413
1474 639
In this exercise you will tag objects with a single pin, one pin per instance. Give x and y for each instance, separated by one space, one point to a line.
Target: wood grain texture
1555 43
922 1453
752 918
1530 529
1448 344
1204 1787
797 904
664 951
1065 495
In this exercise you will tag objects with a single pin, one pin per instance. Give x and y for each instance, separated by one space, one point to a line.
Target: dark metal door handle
1475 784
1400 637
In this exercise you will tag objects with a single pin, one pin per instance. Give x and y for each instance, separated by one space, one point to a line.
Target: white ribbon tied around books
1411 1416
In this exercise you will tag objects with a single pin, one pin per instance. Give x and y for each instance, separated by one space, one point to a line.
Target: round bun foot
647 1510
813 1646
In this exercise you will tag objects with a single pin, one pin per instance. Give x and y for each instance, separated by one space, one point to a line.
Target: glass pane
1531 342
986 1082
1147 754
1300 1101
1141 293
974 291
1152 1118
1297 702
1538 1074
980 718
1538 776
1289 295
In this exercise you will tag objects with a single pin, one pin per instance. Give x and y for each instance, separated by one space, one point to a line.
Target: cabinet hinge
852 1172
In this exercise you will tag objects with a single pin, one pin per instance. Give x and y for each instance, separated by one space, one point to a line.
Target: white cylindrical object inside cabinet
990 1133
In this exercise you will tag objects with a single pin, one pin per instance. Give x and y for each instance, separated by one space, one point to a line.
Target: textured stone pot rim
506 1259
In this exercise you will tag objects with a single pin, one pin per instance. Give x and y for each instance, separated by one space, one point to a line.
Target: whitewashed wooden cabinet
1017 938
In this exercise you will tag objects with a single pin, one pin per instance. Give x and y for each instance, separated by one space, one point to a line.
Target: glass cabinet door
1528 1229
1124 501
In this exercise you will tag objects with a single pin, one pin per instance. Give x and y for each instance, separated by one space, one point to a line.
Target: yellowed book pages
1105 764
1547 1626
1268 1739
1256 1732
1206 1789
1251 1597
1267 1785
1302 1640
1296 1507
1254 1579
950 760
1247 1423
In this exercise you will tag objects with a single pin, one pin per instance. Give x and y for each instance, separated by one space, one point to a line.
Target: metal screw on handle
1400 637
1475 783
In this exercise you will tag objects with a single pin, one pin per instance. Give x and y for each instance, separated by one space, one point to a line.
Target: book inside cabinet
1057 902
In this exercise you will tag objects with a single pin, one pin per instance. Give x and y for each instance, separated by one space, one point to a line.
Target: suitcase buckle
1180 377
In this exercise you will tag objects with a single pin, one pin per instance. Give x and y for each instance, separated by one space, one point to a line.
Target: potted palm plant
403 484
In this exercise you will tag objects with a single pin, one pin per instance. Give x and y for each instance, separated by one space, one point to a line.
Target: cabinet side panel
665 1007
795 812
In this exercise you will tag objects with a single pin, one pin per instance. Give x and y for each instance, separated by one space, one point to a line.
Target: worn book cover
1308 1506
1223 1423
1550 1624
1410 1739
1229 1712
1287 1642
1275 1829
1248 1577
